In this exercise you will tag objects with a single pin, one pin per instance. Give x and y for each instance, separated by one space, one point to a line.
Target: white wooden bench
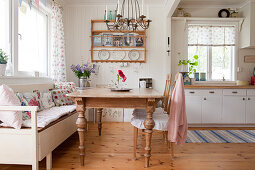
28 146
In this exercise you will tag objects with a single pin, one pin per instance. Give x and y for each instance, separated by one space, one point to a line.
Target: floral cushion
33 99
46 99
60 98
69 86
25 114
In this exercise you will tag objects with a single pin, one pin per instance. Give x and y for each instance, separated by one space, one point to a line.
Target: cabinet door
211 109
193 109
233 109
250 109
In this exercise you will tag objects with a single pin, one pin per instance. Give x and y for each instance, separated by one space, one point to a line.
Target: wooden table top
107 93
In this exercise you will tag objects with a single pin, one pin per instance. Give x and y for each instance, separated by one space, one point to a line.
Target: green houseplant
3 62
192 64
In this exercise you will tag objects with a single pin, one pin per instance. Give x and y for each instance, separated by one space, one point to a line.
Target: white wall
77 34
77 18
179 43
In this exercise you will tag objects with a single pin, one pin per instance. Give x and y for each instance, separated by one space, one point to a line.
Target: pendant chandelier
129 17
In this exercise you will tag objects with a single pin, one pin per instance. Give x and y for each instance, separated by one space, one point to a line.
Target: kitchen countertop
218 87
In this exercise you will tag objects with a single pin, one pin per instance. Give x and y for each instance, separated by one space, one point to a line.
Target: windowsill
215 83
23 77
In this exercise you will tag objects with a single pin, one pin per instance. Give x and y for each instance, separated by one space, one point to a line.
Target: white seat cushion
158 110
161 121
47 116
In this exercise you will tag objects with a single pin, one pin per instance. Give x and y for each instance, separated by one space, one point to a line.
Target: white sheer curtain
207 35
58 63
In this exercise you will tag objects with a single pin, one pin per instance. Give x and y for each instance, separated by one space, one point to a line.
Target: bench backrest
31 87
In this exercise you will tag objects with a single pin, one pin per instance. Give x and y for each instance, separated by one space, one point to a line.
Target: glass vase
110 15
105 14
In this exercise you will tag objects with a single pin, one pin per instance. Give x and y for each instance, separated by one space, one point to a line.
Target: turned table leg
99 120
149 125
81 124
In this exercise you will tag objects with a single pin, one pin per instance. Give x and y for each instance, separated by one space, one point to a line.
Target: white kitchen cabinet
211 109
193 109
250 109
247 35
220 106
233 110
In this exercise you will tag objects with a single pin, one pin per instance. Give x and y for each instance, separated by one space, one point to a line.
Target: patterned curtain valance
208 35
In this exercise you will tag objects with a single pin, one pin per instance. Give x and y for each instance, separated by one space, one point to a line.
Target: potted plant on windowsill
83 72
192 65
3 62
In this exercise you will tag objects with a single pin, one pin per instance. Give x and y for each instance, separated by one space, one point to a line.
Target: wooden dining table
138 98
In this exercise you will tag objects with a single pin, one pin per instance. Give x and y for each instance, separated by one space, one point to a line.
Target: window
5 26
215 45
33 40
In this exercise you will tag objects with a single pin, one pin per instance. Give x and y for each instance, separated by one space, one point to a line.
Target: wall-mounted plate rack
116 46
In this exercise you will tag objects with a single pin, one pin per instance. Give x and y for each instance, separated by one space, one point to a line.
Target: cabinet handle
234 92
249 98
204 98
211 92
243 98
192 92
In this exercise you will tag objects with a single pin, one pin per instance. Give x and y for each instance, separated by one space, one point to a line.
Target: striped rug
221 136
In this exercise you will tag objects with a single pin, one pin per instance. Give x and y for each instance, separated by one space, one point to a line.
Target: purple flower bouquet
84 70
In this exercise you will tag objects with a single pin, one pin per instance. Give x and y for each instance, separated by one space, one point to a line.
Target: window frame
15 39
234 59
10 53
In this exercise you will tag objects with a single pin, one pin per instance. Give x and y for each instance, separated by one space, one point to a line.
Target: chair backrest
170 97
175 79
167 91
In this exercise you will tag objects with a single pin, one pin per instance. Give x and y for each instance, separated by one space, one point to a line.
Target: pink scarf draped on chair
177 124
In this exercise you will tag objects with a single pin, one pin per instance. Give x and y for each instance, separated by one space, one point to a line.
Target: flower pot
2 69
83 82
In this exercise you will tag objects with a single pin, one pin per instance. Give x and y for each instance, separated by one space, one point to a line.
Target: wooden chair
164 100
161 120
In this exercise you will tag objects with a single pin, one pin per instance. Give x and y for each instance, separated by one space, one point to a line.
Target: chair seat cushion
158 110
161 121
47 116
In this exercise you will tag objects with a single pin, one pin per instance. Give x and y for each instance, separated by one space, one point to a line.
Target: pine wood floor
113 150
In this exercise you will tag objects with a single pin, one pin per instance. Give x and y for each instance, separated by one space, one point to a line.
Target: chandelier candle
142 6
118 7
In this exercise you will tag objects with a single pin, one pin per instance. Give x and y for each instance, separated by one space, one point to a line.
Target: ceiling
160 2
215 3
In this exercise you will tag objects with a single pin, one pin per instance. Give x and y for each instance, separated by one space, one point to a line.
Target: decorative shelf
116 46
208 19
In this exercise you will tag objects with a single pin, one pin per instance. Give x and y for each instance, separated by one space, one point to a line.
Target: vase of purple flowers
83 72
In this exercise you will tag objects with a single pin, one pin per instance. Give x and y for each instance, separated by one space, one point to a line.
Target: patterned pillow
46 99
60 98
25 114
33 99
70 86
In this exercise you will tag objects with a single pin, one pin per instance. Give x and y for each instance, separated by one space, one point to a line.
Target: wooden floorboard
113 150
